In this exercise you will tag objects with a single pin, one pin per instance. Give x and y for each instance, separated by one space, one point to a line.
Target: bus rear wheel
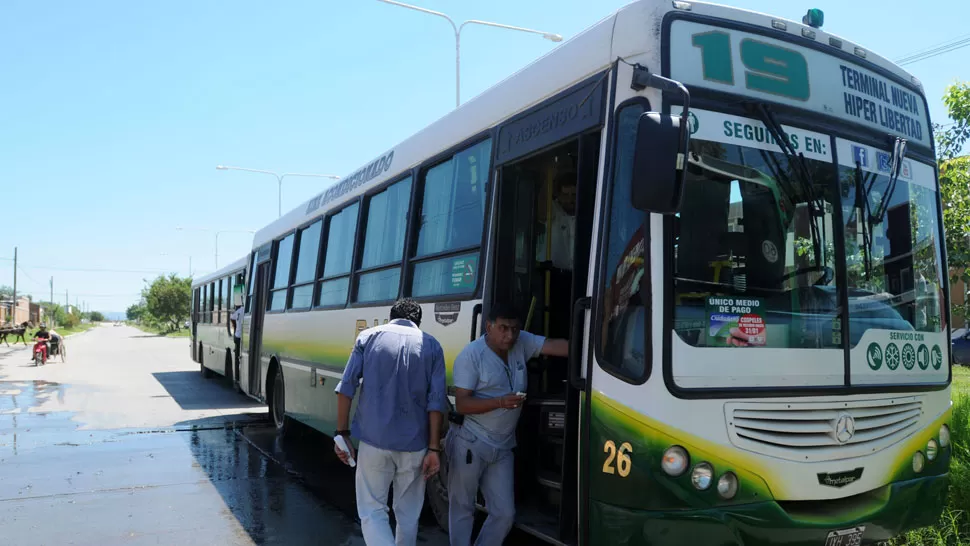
206 372
278 404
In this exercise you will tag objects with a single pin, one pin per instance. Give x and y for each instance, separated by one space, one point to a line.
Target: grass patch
76 329
954 526
182 332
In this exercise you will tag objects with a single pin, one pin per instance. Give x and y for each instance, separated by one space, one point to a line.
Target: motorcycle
40 352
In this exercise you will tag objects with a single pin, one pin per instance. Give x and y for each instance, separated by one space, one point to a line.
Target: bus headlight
919 461
675 461
931 449
944 436
727 485
702 476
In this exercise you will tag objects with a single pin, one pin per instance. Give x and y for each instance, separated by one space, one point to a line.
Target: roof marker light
682 5
814 18
860 52
808 33
835 42
779 25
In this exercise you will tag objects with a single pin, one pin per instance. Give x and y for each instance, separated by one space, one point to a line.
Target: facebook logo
884 161
860 155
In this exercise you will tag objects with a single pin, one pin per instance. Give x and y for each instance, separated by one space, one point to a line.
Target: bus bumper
910 505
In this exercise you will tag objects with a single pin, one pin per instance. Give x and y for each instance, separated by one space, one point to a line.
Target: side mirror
659 163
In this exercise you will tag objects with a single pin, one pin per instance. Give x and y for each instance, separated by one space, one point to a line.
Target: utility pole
13 319
50 320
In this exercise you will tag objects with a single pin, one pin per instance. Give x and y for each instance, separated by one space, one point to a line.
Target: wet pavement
125 443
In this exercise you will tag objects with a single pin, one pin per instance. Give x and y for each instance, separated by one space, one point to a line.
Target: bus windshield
892 240
748 270
756 260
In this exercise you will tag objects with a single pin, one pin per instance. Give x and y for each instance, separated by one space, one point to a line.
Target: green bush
954 526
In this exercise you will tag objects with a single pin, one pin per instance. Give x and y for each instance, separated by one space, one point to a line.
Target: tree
168 301
954 184
135 312
6 291
96 316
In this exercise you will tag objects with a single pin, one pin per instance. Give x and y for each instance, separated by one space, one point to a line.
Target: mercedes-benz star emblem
844 428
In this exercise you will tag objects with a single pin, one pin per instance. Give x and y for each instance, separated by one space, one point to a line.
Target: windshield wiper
802 175
862 204
895 168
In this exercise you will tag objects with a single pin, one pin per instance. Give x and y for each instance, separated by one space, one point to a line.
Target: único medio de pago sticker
736 322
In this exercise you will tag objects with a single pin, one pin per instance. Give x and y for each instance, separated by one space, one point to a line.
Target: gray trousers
473 464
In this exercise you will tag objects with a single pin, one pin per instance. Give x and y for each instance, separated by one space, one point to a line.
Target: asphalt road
126 444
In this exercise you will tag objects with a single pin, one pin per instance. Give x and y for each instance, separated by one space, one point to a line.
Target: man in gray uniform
487 375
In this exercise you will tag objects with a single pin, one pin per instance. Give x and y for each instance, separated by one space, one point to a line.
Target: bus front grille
822 431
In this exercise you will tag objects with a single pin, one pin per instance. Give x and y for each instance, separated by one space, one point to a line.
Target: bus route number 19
620 456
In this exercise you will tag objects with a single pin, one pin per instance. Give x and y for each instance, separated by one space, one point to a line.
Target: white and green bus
214 297
756 298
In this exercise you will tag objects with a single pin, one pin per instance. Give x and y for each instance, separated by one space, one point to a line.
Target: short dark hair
563 179
407 308
504 310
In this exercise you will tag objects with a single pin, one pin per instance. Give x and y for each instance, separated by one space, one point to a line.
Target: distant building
23 311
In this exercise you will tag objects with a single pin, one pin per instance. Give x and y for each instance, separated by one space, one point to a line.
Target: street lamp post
217 232
279 179
458 28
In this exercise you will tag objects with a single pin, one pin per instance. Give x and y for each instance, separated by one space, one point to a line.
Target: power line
88 269
933 51
98 269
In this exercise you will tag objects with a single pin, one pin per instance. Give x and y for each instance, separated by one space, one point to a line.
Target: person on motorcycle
44 335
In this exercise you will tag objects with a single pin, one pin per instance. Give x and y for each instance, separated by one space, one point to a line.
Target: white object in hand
342 445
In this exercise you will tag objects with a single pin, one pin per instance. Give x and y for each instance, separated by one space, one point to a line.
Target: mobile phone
520 393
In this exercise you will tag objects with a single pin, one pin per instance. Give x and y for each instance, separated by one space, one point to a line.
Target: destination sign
768 69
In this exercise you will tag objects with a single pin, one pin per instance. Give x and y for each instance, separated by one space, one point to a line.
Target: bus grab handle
576 343
476 314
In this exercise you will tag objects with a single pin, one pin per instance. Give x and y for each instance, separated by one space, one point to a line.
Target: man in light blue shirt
488 373
401 372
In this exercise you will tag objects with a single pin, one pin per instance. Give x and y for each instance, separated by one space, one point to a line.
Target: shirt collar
404 322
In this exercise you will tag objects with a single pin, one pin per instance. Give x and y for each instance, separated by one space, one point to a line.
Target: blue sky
114 114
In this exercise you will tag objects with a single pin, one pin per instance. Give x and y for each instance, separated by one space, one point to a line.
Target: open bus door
256 327
252 338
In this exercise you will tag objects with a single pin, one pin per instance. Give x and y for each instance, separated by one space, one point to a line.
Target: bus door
260 294
195 323
542 263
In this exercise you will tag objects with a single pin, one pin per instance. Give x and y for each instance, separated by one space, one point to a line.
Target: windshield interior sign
767 69
736 322
728 129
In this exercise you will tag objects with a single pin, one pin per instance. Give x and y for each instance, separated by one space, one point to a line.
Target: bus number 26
768 68
621 456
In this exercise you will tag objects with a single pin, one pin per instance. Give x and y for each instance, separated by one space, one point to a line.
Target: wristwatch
436 449
341 433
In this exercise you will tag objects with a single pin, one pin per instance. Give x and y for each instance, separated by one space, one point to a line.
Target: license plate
845 537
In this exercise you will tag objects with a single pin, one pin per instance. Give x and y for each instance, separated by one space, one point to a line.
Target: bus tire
228 367
436 491
277 403
206 372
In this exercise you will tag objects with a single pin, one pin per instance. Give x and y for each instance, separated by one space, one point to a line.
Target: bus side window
379 273
451 218
334 283
305 268
620 343
281 275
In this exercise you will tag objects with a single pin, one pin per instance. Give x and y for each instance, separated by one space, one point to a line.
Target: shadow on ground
190 392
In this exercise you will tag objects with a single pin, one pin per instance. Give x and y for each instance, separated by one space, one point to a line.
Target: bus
214 297
752 203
